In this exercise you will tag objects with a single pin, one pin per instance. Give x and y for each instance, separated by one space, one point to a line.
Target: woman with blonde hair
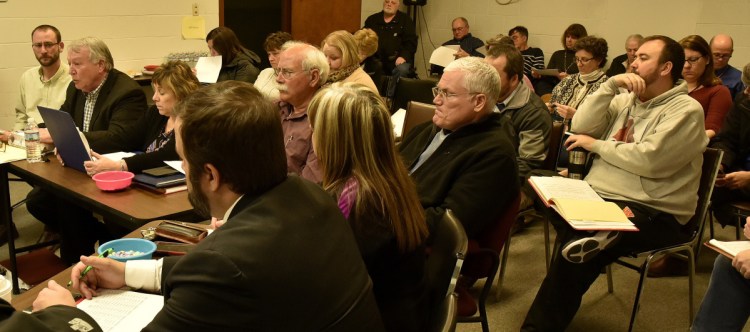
342 53
353 139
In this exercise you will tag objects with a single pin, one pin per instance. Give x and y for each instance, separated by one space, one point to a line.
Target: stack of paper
580 205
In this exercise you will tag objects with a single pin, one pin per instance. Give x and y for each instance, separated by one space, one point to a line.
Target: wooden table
130 208
23 301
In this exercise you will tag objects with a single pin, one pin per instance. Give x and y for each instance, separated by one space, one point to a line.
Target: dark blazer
54 318
397 38
616 67
284 261
734 137
473 172
139 135
120 103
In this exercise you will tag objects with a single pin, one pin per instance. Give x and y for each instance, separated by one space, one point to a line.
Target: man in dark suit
465 159
102 101
269 267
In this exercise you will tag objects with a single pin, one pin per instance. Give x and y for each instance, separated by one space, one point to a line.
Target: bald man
722 47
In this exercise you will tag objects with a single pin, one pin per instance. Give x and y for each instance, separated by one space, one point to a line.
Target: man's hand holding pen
105 273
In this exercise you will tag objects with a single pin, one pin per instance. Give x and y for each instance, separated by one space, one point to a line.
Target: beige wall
613 20
138 33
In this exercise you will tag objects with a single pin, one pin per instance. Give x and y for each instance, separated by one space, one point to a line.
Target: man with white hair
301 70
102 101
465 160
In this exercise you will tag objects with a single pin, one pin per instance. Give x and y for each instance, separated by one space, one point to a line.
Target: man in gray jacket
527 112
648 145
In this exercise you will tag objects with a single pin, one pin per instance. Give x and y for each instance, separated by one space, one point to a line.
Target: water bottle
31 138
577 163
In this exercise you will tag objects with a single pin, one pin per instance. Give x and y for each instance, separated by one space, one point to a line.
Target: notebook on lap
70 146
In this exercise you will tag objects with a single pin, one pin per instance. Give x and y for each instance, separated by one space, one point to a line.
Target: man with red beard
44 85
648 145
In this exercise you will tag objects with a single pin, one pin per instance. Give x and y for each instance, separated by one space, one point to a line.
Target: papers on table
444 55
11 154
176 164
118 310
207 69
117 156
398 122
547 72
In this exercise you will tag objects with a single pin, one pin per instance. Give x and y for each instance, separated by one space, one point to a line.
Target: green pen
104 254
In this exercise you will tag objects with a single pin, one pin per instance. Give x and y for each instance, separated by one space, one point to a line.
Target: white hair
479 77
313 58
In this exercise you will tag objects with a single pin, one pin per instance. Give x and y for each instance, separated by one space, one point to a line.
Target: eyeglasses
583 60
45 44
458 29
722 55
445 94
286 73
693 61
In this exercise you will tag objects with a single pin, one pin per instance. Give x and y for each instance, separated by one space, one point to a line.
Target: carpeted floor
664 305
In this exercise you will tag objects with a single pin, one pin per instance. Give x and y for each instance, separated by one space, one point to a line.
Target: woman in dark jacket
353 138
153 133
237 62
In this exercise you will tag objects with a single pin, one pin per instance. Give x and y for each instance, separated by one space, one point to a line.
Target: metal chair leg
547 258
503 264
610 287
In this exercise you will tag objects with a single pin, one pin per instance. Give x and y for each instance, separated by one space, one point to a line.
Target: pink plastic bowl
113 180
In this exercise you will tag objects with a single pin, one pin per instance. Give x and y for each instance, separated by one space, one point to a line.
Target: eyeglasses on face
45 44
458 29
286 73
583 60
722 55
692 61
445 94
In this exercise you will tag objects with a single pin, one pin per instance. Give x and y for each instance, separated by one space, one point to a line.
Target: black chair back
449 245
409 89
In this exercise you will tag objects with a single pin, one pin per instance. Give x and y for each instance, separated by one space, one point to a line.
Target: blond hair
345 43
353 137
367 40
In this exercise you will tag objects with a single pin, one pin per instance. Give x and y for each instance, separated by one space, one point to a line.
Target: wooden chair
416 114
446 256
411 89
711 162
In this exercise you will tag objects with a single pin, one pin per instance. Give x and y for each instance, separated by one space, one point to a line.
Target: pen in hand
88 268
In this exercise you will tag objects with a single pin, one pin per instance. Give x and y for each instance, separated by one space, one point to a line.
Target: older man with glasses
722 47
465 159
467 44
397 42
301 71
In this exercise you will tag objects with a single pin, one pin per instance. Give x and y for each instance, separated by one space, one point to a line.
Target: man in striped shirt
533 57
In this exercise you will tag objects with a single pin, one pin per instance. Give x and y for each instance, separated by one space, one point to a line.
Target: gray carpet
664 303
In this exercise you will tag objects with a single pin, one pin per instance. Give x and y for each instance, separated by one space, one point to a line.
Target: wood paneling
313 20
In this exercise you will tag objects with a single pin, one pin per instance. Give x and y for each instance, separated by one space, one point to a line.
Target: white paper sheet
398 121
118 310
207 69
117 156
11 154
176 164
443 55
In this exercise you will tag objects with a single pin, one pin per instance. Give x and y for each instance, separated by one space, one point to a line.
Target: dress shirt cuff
144 274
